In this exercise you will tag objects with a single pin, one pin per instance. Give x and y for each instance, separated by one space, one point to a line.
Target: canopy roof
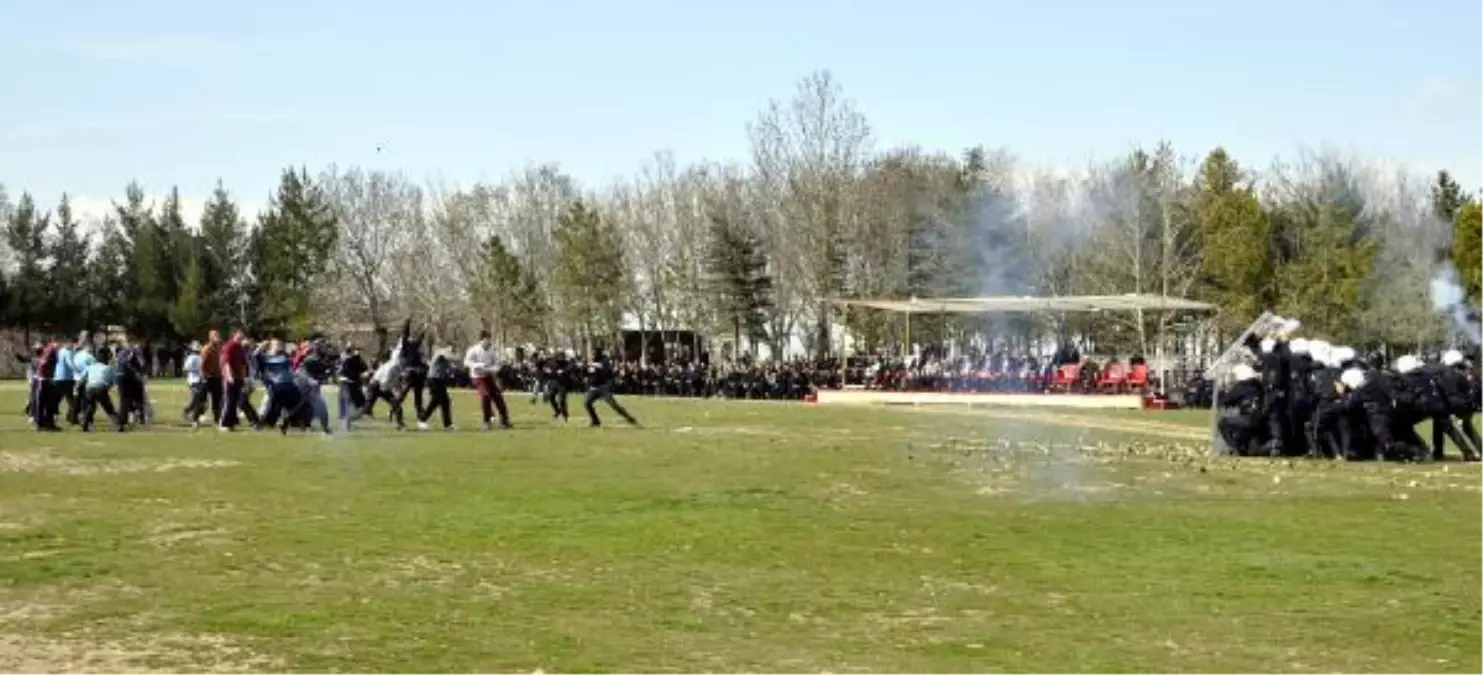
1024 304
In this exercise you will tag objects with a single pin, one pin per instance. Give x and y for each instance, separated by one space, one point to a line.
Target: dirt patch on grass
79 653
44 460
171 534
1169 430
26 647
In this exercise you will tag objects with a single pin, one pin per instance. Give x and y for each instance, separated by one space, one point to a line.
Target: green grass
726 537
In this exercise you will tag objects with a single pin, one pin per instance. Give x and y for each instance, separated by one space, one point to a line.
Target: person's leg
231 402
618 408
246 408
498 398
89 409
593 394
215 391
106 403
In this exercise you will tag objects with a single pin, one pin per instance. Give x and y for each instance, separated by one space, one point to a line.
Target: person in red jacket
211 372
234 377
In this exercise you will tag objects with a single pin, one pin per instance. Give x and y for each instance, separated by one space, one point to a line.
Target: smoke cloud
1449 298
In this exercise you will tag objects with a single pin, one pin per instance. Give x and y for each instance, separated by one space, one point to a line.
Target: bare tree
376 212
808 155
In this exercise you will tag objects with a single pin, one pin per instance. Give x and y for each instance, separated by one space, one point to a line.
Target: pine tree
147 294
1467 248
67 276
590 275
188 314
109 277
1447 197
738 279
224 247
1327 253
175 243
25 234
495 290
1236 266
292 248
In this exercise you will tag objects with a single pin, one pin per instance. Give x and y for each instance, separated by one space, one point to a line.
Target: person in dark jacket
600 388
1242 421
439 376
352 376
414 367
1461 388
128 366
283 393
1426 399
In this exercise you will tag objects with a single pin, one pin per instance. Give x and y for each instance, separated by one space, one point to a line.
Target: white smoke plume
1449 298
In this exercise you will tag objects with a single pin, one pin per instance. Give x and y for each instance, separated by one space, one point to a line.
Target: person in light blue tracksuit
63 383
82 357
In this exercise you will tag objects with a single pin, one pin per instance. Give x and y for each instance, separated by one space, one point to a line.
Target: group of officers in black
1309 398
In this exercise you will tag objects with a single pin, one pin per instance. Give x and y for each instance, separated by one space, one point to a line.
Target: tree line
757 250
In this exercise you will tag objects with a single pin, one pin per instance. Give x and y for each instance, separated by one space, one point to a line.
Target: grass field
727 537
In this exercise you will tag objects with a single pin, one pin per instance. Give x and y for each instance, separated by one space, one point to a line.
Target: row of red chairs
1115 377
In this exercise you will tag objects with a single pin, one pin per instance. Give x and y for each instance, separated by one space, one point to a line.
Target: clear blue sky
95 93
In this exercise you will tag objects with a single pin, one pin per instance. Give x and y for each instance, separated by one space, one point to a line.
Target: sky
94 93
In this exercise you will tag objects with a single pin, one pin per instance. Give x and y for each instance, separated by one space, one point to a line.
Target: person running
483 363
98 379
600 388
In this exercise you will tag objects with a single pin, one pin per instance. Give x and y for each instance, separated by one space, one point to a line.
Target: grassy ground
727 537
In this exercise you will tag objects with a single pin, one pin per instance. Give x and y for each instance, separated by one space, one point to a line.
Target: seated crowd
1066 372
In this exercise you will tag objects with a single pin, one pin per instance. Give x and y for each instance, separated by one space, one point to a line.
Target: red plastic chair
1065 377
1114 377
1138 378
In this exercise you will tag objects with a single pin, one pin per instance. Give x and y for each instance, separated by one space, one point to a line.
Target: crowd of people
222 375
1310 398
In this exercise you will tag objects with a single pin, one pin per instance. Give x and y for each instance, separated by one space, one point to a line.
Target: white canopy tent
1031 305
1130 302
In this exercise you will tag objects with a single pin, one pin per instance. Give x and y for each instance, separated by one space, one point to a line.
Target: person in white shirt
383 387
483 363
196 383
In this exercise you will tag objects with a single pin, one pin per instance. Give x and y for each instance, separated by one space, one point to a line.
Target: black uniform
600 388
352 378
1242 423
558 372
439 376
1435 386
1463 401
129 366
1329 431
414 368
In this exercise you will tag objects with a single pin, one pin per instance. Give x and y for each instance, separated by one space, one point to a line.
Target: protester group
222 376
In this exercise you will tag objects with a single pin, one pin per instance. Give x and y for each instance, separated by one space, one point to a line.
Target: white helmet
1320 351
1243 372
1353 378
571 353
1451 357
1268 344
1343 354
1407 363
1300 346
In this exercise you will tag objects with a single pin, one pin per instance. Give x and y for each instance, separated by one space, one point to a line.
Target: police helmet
1321 351
1451 357
1407 363
1343 355
1353 378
